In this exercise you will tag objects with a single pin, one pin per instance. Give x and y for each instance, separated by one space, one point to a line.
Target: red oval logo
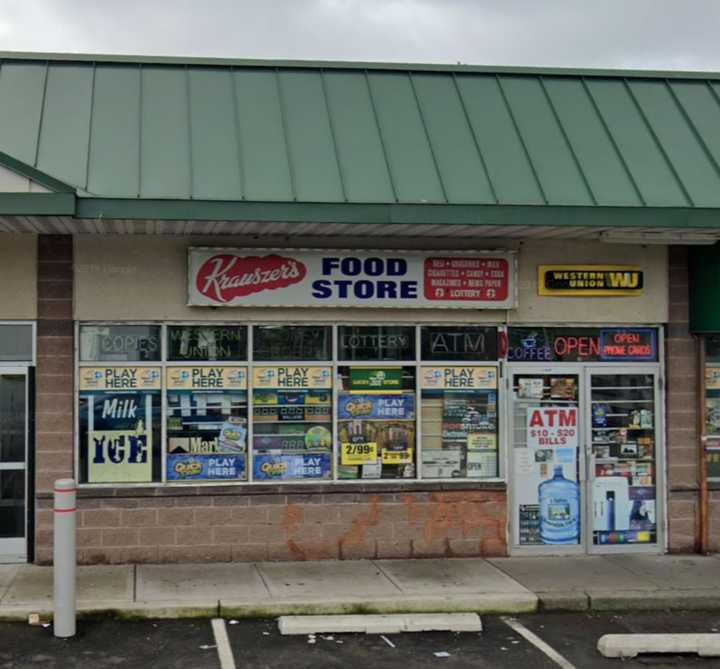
224 278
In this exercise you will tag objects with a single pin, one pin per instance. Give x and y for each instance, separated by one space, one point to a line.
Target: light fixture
675 237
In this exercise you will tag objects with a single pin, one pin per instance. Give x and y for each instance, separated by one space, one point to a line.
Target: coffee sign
391 279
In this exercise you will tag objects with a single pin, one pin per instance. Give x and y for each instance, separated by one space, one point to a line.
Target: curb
508 604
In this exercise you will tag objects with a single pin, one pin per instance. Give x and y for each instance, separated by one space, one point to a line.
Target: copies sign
307 278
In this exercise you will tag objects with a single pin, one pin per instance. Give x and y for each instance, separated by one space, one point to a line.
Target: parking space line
227 661
536 641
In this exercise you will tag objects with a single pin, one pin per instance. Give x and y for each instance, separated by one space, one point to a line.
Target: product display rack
623 443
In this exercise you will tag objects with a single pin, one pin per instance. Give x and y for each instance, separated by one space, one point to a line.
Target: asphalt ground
257 644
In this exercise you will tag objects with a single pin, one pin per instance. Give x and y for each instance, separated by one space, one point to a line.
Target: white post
64 558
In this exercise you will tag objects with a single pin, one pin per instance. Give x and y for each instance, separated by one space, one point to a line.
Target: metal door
13 464
624 438
546 459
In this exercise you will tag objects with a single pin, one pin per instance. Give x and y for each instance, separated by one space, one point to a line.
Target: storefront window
376 343
120 343
193 403
376 422
461 343
16 342
292 423
120 424
623 446
459 422
712 406
196 343
206 423
278 343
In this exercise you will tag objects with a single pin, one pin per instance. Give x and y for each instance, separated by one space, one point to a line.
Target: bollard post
64 558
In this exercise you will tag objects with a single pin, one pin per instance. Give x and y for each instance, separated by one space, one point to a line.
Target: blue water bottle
559 509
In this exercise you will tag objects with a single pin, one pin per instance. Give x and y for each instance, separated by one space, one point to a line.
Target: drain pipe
64 558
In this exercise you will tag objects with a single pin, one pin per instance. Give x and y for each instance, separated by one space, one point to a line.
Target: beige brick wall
179 527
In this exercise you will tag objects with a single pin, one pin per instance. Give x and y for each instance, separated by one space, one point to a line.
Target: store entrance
584 452
13 464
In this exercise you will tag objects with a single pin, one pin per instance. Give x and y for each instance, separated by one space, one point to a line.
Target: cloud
659 34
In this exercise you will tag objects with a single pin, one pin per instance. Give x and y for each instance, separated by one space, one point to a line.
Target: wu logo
624 279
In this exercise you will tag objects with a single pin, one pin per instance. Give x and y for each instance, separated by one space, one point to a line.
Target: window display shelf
296 404
623 401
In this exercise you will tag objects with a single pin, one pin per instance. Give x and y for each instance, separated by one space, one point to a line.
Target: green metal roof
124 129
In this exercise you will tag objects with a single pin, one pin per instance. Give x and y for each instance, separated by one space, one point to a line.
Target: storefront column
54 386
683 405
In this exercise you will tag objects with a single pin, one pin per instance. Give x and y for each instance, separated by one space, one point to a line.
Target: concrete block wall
189 525
682 406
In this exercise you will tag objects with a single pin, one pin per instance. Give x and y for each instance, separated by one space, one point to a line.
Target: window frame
334 363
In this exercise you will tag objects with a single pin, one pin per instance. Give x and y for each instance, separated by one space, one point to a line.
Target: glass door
13 459
546 460
624 437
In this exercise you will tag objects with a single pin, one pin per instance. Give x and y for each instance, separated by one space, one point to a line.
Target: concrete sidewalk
502 585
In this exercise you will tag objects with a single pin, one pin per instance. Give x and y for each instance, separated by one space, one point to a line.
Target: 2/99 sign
358 454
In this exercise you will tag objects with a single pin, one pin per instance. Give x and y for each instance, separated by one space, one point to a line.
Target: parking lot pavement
100 644
257 644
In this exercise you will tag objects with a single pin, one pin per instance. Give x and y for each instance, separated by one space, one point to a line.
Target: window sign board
207 377
590 280
313 278
207 342
629 344
464 342
459 378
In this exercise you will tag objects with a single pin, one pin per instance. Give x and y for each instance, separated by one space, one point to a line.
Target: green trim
95 58
426 214
33 174
704 292
37 204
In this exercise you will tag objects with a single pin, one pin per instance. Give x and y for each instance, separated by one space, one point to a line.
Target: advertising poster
119 428
296 378
270 467
547 494
624 503
206 377
119 378
217 466
459 378
442 463
358 453
232 277
399 407
590 280
370 380
206 422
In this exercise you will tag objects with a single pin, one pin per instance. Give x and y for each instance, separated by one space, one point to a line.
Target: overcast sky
655 34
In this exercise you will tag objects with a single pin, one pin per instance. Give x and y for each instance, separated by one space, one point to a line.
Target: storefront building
301 311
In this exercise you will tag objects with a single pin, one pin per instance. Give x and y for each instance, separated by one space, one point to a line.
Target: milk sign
549 427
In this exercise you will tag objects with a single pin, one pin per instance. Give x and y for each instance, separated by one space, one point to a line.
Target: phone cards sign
312 278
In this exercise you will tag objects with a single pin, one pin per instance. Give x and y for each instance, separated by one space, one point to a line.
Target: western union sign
590 280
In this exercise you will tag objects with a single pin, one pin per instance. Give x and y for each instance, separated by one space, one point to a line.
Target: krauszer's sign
313 278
